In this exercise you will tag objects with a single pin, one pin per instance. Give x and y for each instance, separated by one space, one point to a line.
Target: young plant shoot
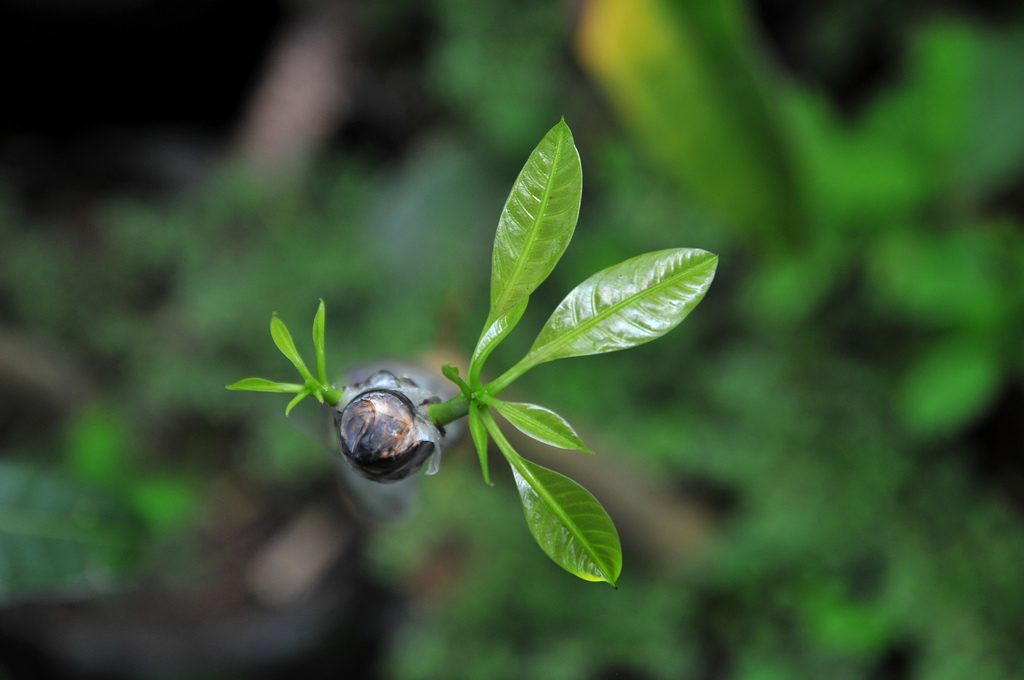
396 426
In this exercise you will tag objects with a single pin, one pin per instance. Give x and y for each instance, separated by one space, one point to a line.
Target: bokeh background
819 474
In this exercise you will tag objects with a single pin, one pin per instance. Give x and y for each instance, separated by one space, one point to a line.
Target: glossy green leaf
492 337
284 342
542 424
565 519
318 344
263 385
537 222
294 402
479 434
58 538
625 305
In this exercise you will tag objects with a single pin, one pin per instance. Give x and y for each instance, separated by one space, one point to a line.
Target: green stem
508 377
449 411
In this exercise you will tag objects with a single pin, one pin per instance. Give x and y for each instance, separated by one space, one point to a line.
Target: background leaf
542 424
626 305
680 76
538 220
949 386
56 538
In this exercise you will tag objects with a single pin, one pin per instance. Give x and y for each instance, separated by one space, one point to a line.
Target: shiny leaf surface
537 222
542 424
565 519
625 305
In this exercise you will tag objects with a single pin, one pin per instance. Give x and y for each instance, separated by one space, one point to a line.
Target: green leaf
950 386
479 434
542 424
294 402
283 340
537 222
492 337
565 519
318 344
624 306
98 451
57 538
167 504
263 385
995 151
683 78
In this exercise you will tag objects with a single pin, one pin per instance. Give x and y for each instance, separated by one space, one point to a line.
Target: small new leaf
294 402
284 342
318 344
262 385
542 424
537 221
479 434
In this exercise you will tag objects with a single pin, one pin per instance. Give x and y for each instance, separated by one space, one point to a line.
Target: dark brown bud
380 436
384 430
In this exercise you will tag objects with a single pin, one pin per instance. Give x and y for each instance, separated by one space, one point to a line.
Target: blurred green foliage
841 394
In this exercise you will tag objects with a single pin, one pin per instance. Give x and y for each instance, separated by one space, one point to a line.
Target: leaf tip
299 397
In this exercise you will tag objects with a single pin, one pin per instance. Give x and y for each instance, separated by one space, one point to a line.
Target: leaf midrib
520 465
557 508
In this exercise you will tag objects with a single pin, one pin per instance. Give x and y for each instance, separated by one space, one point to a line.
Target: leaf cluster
317 386
622 306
